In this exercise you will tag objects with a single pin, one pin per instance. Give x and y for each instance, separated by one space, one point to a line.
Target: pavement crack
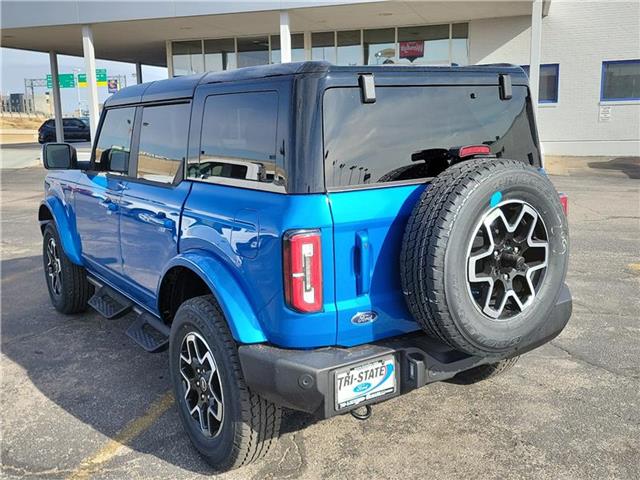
586 361
28 473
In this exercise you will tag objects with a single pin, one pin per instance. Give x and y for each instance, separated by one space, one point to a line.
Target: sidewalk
579 166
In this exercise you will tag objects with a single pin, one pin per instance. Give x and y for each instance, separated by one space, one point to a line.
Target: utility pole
76 77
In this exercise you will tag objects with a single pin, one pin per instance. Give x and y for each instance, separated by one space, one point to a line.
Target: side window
114 142
239 138
163 141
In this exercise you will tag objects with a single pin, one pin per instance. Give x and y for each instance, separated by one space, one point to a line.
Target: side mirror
59 156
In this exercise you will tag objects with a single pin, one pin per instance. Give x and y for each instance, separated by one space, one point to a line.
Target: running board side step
109 303
149 332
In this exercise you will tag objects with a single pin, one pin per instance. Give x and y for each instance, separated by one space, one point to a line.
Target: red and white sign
411 50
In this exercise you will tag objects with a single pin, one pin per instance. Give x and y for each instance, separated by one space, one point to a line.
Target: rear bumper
304 379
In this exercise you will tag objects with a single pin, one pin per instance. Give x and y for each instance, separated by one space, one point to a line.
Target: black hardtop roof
184 87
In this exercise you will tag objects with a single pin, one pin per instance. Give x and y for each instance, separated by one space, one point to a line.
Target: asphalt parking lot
80 400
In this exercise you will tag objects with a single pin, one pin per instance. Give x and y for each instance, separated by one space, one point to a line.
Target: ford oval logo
362 318
363 387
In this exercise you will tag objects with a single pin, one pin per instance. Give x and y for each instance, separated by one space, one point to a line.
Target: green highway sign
65 80
101 78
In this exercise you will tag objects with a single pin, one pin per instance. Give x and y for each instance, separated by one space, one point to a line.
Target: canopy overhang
138 32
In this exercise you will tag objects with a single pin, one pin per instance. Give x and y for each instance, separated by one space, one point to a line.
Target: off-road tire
251 424
484 372
75 289
434 254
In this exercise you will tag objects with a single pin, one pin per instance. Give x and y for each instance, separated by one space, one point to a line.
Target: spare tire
485 255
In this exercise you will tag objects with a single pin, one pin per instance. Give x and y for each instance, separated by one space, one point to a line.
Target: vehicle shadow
87 366
630 166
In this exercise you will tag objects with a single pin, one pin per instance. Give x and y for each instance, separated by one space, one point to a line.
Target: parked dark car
74 129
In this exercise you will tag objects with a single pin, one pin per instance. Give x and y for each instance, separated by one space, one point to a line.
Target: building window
219 54
349 48
323 46
620 80
297 48
419 45
549 77
379 46
253 51
428 45
187 57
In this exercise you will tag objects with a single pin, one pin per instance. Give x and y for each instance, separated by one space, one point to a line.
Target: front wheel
67 283
226 422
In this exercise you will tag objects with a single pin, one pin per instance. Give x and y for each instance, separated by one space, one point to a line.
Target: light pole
76 76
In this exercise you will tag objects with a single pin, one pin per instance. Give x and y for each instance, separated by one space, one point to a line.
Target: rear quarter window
239 139
375 143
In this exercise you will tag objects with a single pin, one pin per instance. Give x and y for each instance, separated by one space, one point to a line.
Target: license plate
364 382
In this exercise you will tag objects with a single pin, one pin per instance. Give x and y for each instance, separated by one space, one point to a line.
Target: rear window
406 131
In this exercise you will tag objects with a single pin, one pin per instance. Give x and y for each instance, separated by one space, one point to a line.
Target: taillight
564 200
471 150
303 270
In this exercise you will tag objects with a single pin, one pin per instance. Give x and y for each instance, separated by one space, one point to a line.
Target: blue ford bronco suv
313 237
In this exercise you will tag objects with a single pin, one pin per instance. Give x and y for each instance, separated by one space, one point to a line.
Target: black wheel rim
507 259
202 387
54 267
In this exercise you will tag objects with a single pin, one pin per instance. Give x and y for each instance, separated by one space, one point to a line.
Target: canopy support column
92 82
55 89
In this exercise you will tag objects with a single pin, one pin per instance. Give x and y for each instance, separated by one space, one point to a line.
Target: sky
16 65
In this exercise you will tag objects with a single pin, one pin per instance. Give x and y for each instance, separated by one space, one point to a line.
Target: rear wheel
228 424
67 282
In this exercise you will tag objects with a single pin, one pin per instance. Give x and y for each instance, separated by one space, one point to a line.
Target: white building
587 52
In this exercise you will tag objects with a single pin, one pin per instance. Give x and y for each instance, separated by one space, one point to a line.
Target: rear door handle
363 262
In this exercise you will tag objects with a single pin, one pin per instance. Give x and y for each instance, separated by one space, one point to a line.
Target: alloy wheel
54 266
202 385
507 259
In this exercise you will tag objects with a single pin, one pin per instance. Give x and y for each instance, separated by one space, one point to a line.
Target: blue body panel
241 230
368 230
59 200
97 197
149 233
244 325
